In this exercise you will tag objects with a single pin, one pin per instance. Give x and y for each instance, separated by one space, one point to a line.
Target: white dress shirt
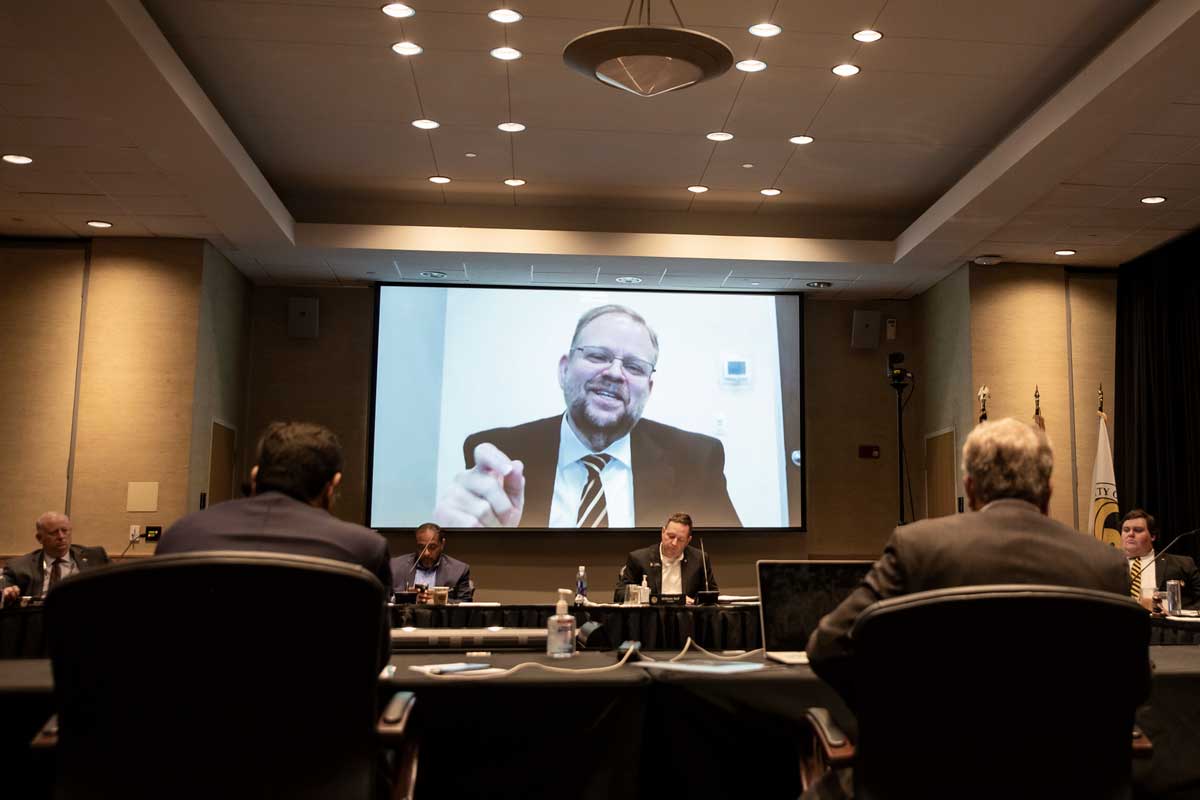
571 476
672 573
1149 584
68 567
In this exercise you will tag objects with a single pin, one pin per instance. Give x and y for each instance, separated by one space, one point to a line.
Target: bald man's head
54 533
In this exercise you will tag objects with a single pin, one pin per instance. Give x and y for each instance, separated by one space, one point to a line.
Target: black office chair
993 691
224 674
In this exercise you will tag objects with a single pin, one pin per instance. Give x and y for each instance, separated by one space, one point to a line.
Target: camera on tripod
897 375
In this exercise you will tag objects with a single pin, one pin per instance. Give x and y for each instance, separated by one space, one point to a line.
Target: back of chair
217 675
998 691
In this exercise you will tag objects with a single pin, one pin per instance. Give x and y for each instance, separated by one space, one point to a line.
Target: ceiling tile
572 278
1105 172
1155 149
758 284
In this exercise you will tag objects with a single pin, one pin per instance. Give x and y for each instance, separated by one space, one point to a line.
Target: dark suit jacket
648 562
1009 541
1171 567
450 572
673 470
28 572
273 522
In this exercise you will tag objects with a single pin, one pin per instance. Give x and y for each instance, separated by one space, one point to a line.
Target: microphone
704 564
416 562
1163 552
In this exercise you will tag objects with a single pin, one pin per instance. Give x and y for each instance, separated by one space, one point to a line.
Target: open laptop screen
796 594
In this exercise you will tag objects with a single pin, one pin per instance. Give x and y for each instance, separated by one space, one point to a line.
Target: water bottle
581 586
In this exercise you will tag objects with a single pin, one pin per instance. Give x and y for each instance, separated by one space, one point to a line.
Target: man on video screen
600 464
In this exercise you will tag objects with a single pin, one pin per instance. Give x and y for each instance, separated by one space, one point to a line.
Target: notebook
794 595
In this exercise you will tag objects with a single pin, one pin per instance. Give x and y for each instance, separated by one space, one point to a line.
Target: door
941 487
220 463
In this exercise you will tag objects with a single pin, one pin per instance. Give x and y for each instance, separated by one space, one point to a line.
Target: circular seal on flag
1106 521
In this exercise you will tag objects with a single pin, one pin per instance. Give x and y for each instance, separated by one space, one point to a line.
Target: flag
1106 514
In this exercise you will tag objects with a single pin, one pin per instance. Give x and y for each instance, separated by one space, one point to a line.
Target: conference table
628 732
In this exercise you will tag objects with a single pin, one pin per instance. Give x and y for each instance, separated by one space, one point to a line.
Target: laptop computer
794 595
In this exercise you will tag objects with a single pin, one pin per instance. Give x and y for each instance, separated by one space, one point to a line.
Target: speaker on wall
864 330
304 317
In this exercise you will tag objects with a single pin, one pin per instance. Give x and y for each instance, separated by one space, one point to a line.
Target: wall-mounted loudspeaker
864 330
304 317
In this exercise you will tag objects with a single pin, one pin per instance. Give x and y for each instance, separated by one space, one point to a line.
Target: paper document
707 667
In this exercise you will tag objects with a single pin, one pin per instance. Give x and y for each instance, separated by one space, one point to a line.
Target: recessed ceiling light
751 65
1064 252
747 166
1153 201
845 70
504 15
13 158
439 179
755 283
511 127
801 140
470 155
719 136
628 279
397 10
868 36
818 284
770 192
432 274
407 48
425 124
98 223
514 182
506 53
988 260
766 29
697 189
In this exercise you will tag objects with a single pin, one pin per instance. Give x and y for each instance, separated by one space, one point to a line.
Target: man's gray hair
42 523
1008 458
613 308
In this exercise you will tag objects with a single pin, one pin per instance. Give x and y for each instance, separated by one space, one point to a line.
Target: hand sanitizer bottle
644 591
581 587
560 629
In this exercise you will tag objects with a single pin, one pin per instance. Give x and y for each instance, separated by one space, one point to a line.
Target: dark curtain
1156 429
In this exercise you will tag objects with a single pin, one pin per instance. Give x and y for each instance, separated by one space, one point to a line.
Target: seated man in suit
1006 538
1139 534
599 464
292 488
670 567
38 572
429 565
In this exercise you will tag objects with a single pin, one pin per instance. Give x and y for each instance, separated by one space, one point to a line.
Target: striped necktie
593 509
1135 578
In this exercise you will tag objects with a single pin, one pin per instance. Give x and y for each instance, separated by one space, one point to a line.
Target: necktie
56 572
1135 578
593 510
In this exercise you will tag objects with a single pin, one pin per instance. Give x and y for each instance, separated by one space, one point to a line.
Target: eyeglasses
603 357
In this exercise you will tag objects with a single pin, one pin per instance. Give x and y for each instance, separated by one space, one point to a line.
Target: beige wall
39 337
221 360
1093 363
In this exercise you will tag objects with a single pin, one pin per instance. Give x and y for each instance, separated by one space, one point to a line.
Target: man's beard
609 428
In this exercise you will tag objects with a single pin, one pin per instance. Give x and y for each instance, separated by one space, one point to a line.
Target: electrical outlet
135 532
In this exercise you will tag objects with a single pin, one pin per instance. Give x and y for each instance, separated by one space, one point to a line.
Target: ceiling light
770 192
514 182
1153 201
988 260
439 179
425 124
504 15
470 155
511 127
407 49
397 10
432 274
16 159
818 284
628 279
506 53
801 140
845 70
765 29
751 65
747 166
98 223
719 136
868 36
1064 252
697 189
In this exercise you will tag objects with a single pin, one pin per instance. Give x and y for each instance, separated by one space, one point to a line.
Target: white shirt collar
48 562
571 449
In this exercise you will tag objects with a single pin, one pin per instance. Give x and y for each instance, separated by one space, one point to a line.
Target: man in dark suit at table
1148 573
36 573
429 565
293 486
600 464
1006 538
670 567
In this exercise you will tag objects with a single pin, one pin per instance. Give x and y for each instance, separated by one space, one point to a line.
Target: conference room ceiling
281 131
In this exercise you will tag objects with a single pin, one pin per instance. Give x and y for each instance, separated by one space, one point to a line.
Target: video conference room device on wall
488 403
